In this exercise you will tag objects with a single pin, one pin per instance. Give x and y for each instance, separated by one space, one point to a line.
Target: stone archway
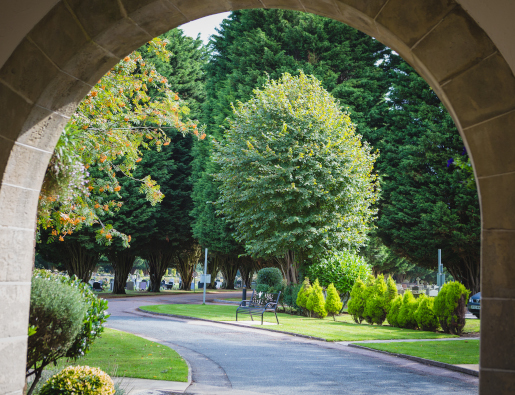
71 43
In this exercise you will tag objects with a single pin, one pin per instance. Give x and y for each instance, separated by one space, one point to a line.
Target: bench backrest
262 298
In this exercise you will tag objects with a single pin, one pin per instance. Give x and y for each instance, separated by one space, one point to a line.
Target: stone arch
74 43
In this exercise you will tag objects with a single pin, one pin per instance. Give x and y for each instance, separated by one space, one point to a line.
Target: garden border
421 360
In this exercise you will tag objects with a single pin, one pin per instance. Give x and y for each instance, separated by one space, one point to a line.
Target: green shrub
342 269
75 380
316 301
290 294
406 316
96 313
368 295
449 307
425 315
303 295
356 305
391 293
393 313
333 304
57 312
270 276
376 304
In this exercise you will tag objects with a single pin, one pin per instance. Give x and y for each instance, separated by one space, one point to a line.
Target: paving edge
422 360
225 301
229 323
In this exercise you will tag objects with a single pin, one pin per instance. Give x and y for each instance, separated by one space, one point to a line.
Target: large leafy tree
296 180
427 203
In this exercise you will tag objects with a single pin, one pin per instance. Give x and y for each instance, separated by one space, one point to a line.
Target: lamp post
205 277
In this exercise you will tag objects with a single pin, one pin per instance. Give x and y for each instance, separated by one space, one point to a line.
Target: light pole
205 277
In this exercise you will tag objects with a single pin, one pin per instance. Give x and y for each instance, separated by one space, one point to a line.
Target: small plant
270 276
316 301
393 313
356 305
391 293
449 307
289 297
368 295
79 380
303 295
406 317
333 304
57 312
377 302
425 315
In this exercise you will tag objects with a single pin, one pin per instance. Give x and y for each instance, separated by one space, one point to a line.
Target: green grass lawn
472 325
344 329
123 354
453 352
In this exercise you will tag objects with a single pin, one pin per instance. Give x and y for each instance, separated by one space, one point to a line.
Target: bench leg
277 319
236 315
262 318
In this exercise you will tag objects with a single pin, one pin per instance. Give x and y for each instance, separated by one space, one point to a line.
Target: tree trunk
186 272
229 269
122 263
158 262
292 274
81 261
212 268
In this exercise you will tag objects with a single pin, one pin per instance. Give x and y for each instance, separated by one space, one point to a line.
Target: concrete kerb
421 360
442 365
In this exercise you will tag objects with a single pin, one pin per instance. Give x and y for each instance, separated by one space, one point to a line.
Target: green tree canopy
294 174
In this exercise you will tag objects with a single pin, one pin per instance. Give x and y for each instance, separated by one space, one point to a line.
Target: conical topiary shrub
391 293
425 315
316 301
368 295
303 295
449 307
333 304
406 317
375 307
356 304
393 313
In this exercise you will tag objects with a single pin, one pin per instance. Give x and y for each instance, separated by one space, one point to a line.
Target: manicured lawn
344 329
123 354
453 352
472 325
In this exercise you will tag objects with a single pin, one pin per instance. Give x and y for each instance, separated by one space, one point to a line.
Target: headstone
130 286
433 292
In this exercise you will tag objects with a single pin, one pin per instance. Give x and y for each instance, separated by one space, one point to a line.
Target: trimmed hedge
393 313
425 315
406 317
356 305
316 301
270 276
333 304
75 380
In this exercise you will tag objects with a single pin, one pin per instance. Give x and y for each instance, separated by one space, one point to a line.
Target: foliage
290 294
449 307
333 304
406 317
111 125
270 276
356 305
57 311
316 301
292 163
426 203
96 313
341 268
377 302
303 294
425 315
395 308
79 380
367 296
391 293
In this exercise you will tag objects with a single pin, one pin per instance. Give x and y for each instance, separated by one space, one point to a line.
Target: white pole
205 276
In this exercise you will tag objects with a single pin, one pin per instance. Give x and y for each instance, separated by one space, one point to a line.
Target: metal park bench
259 304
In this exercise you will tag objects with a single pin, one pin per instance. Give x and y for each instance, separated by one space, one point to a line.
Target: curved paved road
228 359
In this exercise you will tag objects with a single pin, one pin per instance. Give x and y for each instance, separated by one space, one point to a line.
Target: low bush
342 269
82 380
377 302
425 315
316 301
406 317
270 276
289 296
393 313
356 305
303 294
57 311
449 307
391 293
333 304
367 296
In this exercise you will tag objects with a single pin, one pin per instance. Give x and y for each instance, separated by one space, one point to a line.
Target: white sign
205 278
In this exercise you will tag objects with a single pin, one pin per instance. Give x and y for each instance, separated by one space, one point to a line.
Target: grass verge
343 329
452 352
123 354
